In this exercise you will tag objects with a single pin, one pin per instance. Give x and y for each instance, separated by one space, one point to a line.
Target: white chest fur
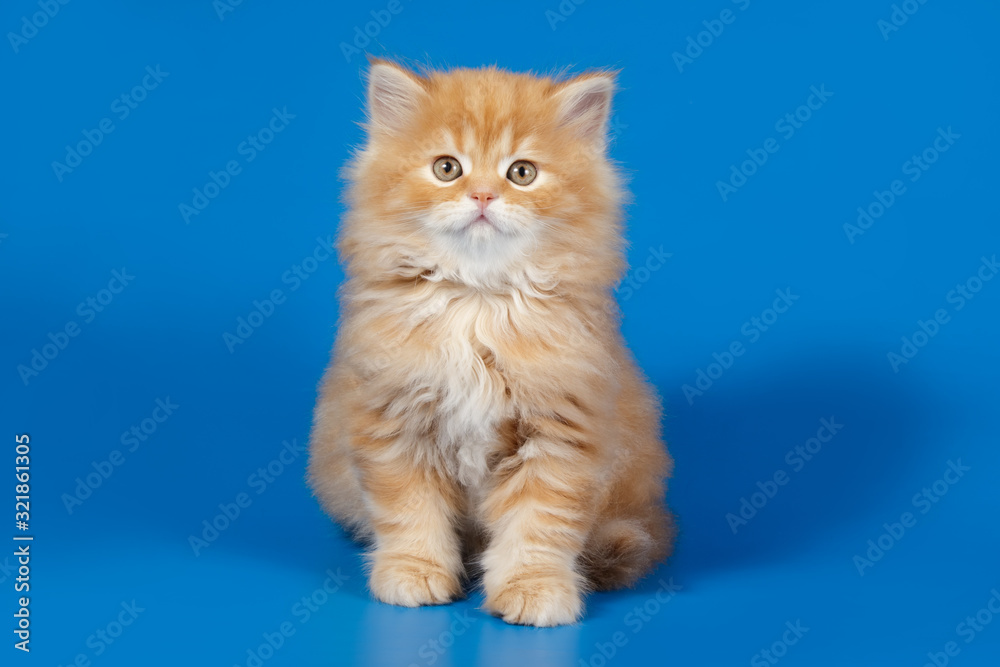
471 392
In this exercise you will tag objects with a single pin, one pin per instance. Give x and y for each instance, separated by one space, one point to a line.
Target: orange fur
480 394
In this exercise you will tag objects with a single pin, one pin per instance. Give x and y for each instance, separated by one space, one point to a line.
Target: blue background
677 133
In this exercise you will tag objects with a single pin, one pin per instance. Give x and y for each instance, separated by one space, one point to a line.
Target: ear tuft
585 103
393 95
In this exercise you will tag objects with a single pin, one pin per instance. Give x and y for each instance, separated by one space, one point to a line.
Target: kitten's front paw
540 601
409 581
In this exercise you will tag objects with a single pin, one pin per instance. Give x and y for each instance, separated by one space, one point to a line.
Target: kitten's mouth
480 221
482 226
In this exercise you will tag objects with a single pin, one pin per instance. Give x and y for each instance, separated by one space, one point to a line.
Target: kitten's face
480 174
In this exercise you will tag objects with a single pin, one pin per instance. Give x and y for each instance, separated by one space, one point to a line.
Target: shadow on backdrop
732 441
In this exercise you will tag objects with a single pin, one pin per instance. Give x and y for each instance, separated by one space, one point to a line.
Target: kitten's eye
522 172
447 168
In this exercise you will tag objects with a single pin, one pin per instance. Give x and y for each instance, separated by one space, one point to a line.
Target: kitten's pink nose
483 198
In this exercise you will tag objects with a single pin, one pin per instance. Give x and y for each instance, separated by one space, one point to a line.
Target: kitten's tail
621 550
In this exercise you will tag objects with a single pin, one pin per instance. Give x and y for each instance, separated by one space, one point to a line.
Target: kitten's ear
585 104
393 95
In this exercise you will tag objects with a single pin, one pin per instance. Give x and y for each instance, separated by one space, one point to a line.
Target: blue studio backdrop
813 289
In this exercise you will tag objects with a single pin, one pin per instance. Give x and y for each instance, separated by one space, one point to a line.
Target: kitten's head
484 177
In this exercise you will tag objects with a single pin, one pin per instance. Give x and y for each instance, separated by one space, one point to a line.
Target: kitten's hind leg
332 475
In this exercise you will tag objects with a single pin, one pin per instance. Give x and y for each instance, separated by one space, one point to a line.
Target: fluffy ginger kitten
481 408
